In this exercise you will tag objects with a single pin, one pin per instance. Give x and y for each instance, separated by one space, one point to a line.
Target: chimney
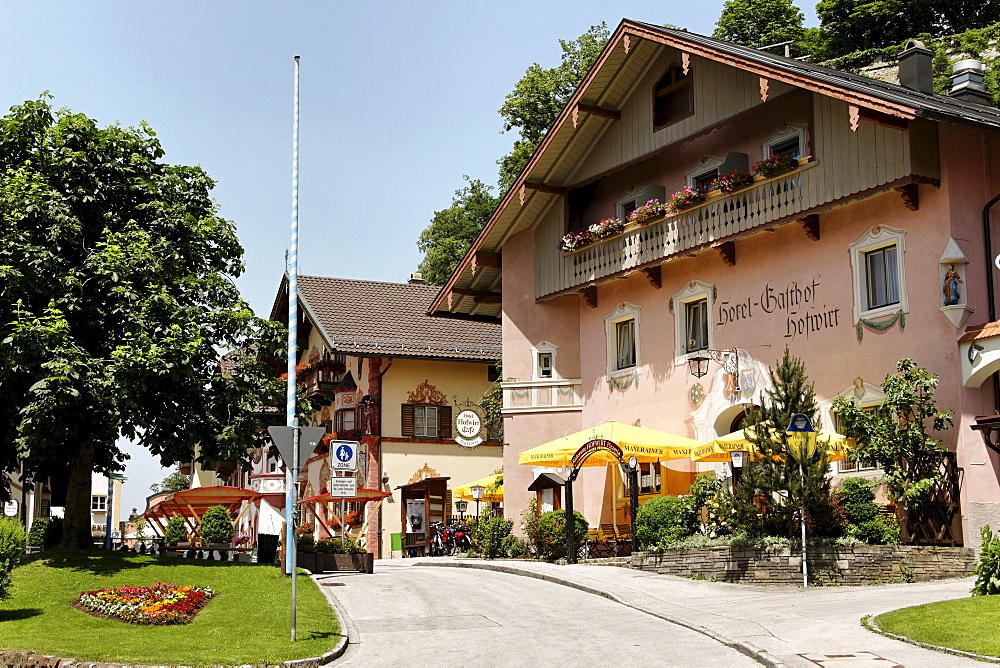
915 67
967 82
416 278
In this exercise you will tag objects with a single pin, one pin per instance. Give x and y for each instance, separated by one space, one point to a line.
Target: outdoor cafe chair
624 538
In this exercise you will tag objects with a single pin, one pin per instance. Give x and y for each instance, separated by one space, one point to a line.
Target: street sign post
345 455
345 487
294 445
801 438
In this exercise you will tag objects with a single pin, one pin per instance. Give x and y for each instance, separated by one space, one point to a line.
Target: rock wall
861 564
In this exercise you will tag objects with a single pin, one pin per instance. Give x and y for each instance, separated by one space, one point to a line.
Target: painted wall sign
590 447
798 303
469 426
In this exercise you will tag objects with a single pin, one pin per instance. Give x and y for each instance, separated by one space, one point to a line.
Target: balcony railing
718 218
540 396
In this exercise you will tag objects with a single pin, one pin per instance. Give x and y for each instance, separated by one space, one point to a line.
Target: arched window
673 97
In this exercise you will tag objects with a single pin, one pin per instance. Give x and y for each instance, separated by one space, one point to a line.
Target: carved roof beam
539 187
486 260
603 112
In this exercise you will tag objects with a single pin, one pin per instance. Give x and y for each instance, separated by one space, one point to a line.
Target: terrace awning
493 485
191 504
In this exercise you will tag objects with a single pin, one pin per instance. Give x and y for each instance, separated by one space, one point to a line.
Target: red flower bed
163 603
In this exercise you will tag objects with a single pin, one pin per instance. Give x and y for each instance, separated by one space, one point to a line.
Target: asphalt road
404 615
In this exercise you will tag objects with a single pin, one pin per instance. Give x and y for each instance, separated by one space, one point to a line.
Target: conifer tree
774 488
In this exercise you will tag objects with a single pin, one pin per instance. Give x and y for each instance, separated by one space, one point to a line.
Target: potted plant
216 529
174 534
572 241
774 165
647 213
336 554
729 183
683 199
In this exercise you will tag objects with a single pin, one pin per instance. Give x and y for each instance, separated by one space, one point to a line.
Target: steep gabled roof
607 86
391 320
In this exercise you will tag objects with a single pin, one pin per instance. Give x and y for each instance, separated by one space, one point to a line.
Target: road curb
341 646
747 649
868 622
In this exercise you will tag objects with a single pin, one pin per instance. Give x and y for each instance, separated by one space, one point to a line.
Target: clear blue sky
398 101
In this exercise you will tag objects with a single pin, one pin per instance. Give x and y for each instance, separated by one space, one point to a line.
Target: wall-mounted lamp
728 357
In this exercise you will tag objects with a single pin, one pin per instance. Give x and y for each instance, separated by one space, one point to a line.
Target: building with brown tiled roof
393 378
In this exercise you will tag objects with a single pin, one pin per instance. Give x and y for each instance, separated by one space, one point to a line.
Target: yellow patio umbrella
493 493
719 450
646 445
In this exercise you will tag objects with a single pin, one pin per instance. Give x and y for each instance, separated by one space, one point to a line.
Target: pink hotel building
873 247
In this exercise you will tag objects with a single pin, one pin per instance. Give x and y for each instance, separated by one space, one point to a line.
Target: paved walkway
786 626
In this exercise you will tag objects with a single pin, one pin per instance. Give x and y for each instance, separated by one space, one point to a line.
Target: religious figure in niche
951 281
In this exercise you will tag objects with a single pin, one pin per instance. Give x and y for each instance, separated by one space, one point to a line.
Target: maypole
293 319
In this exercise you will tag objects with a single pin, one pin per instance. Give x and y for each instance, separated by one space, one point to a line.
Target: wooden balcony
320 385
719 218
541 396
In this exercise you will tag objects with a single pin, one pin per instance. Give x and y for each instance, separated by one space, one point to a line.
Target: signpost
801 438
294 444
109 507
345 456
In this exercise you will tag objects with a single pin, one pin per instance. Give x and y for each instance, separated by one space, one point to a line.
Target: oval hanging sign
596 445
470 426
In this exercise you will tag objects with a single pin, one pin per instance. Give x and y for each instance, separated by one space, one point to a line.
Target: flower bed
161 604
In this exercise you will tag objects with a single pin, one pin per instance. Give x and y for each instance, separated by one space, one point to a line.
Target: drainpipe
989 288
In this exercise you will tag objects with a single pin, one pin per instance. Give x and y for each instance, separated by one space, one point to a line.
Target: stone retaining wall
861 564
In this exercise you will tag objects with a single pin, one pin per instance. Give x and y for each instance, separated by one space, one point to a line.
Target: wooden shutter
407 420
444 421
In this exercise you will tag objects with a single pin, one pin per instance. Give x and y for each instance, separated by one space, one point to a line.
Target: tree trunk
76 522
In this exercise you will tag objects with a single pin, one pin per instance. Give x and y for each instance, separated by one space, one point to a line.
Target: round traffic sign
345 453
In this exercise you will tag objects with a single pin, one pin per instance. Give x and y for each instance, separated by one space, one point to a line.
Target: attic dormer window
673 97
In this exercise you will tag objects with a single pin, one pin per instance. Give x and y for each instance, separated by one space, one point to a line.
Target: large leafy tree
782 481
538 97
859 25
453 230
530 109
116 302
759 23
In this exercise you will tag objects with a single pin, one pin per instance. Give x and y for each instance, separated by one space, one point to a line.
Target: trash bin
267 548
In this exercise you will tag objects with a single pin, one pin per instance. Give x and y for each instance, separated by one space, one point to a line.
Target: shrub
176 531
12 541
304 542
36 537
516 548
988 565
216 526
552 533
529 525
664 519
856 496
490 534
345 545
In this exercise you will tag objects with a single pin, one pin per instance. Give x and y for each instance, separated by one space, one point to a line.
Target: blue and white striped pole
291 468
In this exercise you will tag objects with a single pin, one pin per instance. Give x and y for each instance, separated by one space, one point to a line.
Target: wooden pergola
191 504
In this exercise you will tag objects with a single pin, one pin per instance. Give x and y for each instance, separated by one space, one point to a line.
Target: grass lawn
969 624
247 621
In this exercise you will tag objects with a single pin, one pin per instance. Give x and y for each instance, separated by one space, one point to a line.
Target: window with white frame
425 421
789 139
692 308
704 172
98 503
622 329
879 276
696 324
544 361
344 419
